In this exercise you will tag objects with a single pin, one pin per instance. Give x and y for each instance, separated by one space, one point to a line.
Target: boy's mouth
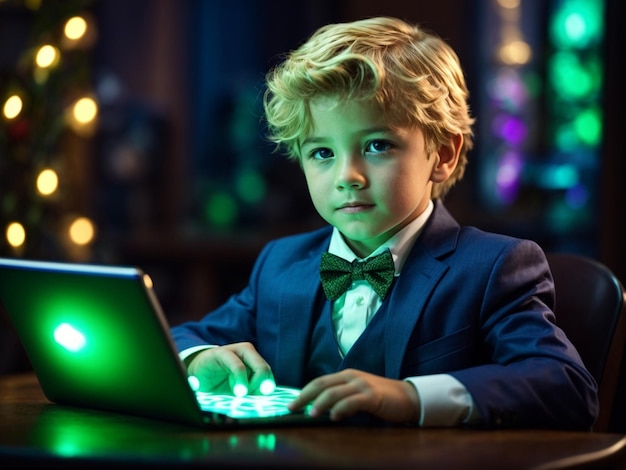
352 207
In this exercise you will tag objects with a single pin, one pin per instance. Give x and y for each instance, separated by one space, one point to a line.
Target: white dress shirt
444 400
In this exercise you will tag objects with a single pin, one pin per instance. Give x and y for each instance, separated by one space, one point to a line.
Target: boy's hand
235 368
350 391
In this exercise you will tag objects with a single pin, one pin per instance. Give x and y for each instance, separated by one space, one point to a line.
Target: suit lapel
301 302
406 303
422 271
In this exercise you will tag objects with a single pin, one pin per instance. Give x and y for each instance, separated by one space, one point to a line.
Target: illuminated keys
249 406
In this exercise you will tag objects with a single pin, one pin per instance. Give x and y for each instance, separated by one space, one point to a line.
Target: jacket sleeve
536 377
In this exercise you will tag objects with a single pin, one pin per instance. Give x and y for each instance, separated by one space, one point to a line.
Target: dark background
186 62
182 80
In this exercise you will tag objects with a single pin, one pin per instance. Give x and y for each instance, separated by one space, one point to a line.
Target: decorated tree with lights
47 116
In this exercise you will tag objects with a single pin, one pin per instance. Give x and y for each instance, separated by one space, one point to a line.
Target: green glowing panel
238 407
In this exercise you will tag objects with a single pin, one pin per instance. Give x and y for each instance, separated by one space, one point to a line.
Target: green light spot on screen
69 337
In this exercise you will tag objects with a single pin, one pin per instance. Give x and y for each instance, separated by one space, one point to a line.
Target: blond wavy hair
413 75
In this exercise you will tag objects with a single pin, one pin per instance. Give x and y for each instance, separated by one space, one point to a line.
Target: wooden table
34 431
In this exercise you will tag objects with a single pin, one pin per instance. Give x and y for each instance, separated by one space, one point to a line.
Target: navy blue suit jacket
475 305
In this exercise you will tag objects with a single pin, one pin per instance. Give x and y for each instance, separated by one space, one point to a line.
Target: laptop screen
96 337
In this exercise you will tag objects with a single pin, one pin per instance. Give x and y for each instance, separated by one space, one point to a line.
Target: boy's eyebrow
312 140
371 130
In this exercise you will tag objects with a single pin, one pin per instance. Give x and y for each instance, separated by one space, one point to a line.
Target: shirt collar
399 245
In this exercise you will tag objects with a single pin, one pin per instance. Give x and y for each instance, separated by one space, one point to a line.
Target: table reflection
73 432
34 431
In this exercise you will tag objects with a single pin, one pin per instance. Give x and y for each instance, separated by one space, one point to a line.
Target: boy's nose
350 172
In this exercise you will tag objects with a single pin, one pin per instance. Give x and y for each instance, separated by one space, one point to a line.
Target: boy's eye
321 154
378 146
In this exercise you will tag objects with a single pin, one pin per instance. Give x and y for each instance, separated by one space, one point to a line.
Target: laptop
96 337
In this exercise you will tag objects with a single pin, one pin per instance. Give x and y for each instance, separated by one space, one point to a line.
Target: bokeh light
250 186
47 56
75 28
47 182
15 234
577 24
545 119
221 210
12 107
515 52
85 110
81 231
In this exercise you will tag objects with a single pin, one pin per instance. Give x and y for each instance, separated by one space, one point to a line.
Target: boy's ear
447 159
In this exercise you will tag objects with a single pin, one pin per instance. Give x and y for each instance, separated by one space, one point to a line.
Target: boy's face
364 178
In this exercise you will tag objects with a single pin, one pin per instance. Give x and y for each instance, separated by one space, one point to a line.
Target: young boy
453 326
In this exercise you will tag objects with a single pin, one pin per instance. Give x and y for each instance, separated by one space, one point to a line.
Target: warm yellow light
147 280
32 4
47 56
509 4
47 182
16 235
12 107
515 53
81 231
75 28
85 110
79 31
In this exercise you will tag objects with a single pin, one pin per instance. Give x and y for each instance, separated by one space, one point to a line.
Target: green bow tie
337 274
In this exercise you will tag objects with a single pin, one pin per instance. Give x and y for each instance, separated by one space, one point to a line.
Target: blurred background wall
134 137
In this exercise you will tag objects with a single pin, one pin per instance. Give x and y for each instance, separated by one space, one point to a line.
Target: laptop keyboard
248 406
